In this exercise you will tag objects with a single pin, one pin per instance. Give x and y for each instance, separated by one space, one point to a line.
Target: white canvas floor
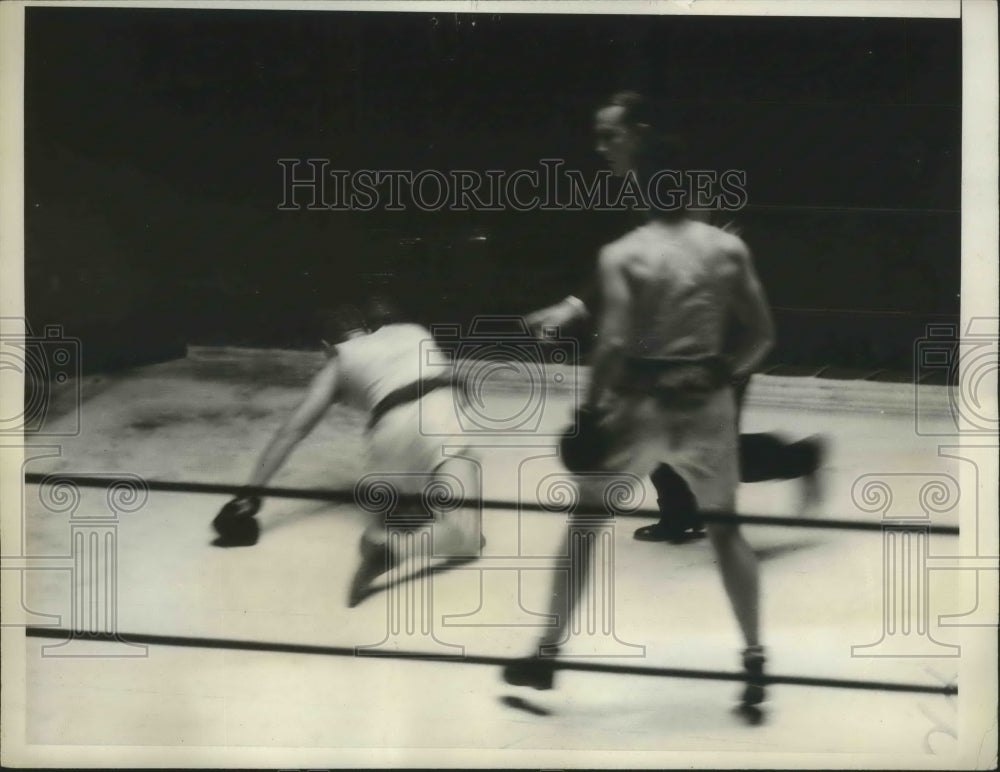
823 592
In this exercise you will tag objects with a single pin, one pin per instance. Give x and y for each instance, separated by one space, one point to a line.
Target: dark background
152 183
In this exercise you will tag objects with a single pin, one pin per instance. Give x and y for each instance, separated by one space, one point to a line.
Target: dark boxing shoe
672 531
753 666
535 672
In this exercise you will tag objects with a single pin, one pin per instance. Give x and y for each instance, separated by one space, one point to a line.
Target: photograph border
979 289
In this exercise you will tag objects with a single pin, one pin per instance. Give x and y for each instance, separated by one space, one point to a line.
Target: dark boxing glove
236 524
585 445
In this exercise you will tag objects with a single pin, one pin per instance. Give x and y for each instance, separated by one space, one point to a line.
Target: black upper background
152 183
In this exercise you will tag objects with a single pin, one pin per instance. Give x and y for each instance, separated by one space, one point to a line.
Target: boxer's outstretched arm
322 393
569 310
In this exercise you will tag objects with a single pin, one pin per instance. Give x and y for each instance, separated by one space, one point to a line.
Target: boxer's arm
562 314
572 309
612 327
322 392
756 334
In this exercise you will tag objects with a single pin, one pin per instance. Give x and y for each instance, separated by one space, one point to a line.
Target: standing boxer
682 316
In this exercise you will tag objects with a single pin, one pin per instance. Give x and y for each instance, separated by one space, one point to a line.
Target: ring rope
34 631
350 497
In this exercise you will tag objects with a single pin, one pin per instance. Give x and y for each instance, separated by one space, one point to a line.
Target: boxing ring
130 609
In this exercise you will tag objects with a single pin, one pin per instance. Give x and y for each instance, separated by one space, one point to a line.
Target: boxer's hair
637 107
338 323
381 310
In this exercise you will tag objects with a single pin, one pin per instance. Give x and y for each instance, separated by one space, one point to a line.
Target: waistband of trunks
406 394
710 370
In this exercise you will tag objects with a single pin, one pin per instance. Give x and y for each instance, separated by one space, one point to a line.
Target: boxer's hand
561 314
536 320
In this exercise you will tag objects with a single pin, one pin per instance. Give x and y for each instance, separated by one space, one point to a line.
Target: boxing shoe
536 672
376 559
753 666
676 530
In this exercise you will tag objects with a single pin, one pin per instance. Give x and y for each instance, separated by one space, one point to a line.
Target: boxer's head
382 310
340 324
621 126
635 141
